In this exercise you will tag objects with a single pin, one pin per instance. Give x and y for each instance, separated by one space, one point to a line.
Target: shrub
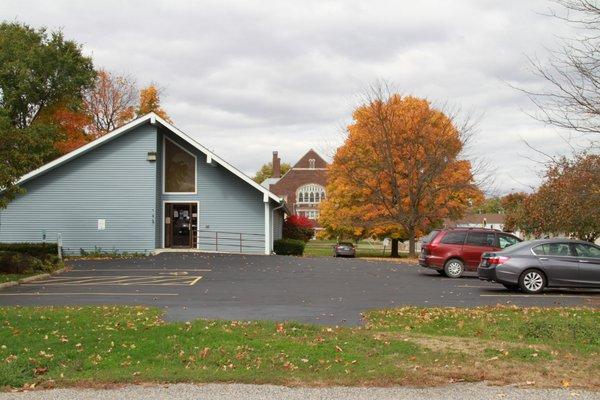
298 227
12 262
40 250
289 247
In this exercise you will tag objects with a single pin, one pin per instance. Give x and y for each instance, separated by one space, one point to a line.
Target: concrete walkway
266 392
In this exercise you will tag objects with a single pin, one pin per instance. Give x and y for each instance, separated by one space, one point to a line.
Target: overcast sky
246 78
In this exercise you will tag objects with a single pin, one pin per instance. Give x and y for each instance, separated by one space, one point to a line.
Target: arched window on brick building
310 194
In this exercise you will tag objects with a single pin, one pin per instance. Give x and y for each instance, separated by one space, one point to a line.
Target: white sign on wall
101 224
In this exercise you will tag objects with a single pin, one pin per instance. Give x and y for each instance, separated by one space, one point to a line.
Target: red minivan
453 251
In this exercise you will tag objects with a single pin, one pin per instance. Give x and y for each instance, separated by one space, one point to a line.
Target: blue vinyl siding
226 204
113 181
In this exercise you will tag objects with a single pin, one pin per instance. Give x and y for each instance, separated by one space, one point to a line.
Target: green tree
491 205
21 150
38 69
266 171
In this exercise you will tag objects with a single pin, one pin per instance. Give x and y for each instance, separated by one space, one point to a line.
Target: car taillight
497 260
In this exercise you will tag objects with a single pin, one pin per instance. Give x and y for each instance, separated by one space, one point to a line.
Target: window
311 194
552 249
311 163
506 240
430 236
179 169
587 250
454 238
484 239
310 214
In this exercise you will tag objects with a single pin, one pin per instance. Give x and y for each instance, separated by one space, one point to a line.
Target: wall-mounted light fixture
151 156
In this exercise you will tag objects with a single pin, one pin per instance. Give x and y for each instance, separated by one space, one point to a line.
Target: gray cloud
249 77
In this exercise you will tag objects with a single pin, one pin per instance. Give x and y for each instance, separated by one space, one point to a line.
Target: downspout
282 204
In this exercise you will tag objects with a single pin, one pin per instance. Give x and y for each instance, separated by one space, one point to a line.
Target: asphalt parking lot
317 290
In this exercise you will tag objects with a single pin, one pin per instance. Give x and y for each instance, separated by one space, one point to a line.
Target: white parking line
534 296
139 269
475 286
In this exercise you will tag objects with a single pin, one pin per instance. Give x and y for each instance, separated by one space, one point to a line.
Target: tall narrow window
180 169
311 163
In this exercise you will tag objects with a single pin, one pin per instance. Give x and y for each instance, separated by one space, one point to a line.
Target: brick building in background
303 186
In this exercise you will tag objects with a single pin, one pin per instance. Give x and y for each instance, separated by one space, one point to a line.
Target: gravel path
267 392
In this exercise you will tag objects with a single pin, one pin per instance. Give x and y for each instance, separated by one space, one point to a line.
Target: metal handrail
224 238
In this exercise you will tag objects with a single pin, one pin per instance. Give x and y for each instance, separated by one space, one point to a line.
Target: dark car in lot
536 264
344 249
453 251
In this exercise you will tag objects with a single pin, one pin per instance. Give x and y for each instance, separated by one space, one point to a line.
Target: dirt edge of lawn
111 346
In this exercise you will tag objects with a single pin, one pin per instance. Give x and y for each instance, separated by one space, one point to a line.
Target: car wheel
454 268
511 287
532 281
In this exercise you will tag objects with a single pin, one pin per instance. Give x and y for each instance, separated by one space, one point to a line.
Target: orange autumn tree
400 171
150 102
71 120
110 103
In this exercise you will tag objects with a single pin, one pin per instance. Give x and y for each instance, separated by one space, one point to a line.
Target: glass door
181 225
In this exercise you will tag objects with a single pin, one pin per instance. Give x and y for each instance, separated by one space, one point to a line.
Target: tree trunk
395 248
411 243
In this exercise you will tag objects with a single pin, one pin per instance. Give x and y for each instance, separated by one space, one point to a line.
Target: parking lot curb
8 284
31 278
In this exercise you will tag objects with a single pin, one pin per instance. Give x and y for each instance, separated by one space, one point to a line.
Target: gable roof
153 119
311 153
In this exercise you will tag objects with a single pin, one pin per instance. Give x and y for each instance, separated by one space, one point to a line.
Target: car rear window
454 237
505 240
429 237
484 239
346 244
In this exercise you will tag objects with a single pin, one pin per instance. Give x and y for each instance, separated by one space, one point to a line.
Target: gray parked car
533 265
344 249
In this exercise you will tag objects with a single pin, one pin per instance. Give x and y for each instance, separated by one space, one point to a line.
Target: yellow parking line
122 280
192 283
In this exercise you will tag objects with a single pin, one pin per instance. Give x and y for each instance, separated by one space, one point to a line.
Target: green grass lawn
15 277
417 346
323 248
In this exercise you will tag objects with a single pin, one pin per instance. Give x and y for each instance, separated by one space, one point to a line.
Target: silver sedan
534 265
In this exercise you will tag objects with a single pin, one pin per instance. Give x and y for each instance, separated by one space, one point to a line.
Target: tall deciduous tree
150 102
110 102
38 69
70 120
21 150
567 202
266 171
400 168
571 99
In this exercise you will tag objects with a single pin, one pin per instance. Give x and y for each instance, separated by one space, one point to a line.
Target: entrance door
181 222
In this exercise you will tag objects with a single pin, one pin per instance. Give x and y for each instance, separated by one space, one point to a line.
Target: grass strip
67 346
